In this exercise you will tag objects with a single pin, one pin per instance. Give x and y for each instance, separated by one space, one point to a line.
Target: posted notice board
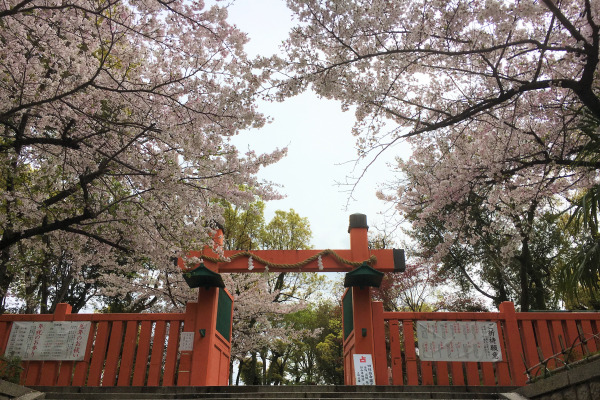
458 341
59 340
363 369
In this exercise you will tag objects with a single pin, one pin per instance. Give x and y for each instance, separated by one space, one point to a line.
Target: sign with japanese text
59 340
363 369
458 341
186 341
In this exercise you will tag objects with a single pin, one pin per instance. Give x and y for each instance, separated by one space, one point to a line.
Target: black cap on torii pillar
359 221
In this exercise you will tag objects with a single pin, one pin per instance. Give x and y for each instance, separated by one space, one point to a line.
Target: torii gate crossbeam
360 341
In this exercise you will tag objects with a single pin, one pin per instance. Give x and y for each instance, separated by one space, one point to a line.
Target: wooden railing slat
458 377
426 373
114 354
443 378
171 359
502 369
98 354
396 353
141 359
158 346
411 355
588 334
473 374
131 334
529 344
65 374
573 339
544 342
489 375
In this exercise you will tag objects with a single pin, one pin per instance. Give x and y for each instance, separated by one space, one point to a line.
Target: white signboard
61 340
458 341
363 369
186 341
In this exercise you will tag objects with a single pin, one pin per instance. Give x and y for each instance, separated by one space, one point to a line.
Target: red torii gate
365 262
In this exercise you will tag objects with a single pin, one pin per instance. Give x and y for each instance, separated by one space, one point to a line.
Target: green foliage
287 231
528 277
10 369
317 358
243 227
579 276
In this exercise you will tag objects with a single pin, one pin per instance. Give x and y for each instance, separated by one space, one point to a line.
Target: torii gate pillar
360 340
211 320
357 312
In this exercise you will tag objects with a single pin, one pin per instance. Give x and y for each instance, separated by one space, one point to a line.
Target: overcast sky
320 145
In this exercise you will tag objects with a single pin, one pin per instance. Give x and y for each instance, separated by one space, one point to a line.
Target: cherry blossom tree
116 118
527 67
492 96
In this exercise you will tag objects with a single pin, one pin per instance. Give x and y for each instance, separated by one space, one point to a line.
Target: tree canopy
499 101
114 148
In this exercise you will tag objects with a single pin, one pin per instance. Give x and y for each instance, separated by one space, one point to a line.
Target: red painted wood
458 377
171 358
514 349
426 373
529 344
441 369
184 372
412 374
489 374
5 327
558 333
396 354
126 317
51 369
49 377
131 334
379 351
442 316
141 359
502 367
114 354
544 341
596 329
66 373
158 346
385 259
588 334
98 355
32 373
573 340
473 374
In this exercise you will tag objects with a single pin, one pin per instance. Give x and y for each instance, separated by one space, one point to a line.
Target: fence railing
529 342
122 350
556 340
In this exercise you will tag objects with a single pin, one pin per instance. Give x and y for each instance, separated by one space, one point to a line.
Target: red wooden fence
122 350
143 349
530 342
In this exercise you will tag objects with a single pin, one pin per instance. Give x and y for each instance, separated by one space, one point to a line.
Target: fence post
379 352
185 360
514 348
48 375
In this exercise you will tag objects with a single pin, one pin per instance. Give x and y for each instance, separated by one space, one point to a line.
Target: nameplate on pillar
363 369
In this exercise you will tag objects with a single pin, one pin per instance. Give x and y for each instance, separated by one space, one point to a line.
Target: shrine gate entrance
193 348
364 267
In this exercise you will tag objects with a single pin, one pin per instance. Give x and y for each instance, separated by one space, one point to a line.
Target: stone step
390 396
273 392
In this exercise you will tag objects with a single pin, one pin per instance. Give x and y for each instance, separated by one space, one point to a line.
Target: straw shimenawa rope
371 261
